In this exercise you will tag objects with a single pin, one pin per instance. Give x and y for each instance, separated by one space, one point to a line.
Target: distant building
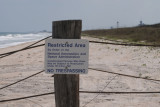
141 23
117 24
44 31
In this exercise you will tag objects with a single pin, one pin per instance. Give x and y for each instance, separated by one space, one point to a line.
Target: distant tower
141 23
117 24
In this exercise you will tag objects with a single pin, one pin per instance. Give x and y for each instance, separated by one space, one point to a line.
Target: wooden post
67 85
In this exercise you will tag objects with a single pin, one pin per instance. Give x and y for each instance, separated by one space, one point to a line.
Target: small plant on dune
140 75
116 50
147 77
135 50
144 65
108 47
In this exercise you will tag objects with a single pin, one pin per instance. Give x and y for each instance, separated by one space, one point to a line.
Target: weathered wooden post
66 85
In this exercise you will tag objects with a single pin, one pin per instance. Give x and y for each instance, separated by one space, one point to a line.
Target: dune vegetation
146 34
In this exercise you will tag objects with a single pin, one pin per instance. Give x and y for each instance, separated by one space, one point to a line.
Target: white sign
66 56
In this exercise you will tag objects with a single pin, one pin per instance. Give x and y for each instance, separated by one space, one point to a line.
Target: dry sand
138 61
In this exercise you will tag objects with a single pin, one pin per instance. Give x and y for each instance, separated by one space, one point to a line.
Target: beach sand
137 61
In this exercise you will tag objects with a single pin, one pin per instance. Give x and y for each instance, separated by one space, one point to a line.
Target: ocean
14 38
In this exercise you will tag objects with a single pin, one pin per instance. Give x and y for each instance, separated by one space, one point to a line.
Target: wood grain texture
67 85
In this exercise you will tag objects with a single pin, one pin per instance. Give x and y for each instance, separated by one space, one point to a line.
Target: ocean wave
12 39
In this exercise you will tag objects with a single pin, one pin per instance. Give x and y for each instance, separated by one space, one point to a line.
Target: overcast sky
36 15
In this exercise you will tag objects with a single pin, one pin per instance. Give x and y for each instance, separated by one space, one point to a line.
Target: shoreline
13 39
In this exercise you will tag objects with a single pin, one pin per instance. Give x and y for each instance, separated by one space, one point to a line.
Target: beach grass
147 34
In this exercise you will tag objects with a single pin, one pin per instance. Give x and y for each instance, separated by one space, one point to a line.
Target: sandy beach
136 61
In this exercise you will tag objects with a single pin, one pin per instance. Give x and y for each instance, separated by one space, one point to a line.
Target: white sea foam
12 39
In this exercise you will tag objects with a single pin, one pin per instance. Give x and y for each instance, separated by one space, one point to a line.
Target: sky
38 15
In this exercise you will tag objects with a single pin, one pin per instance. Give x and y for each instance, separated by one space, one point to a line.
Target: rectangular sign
66 56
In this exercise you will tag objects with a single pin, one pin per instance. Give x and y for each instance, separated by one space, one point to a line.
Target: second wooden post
67 85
